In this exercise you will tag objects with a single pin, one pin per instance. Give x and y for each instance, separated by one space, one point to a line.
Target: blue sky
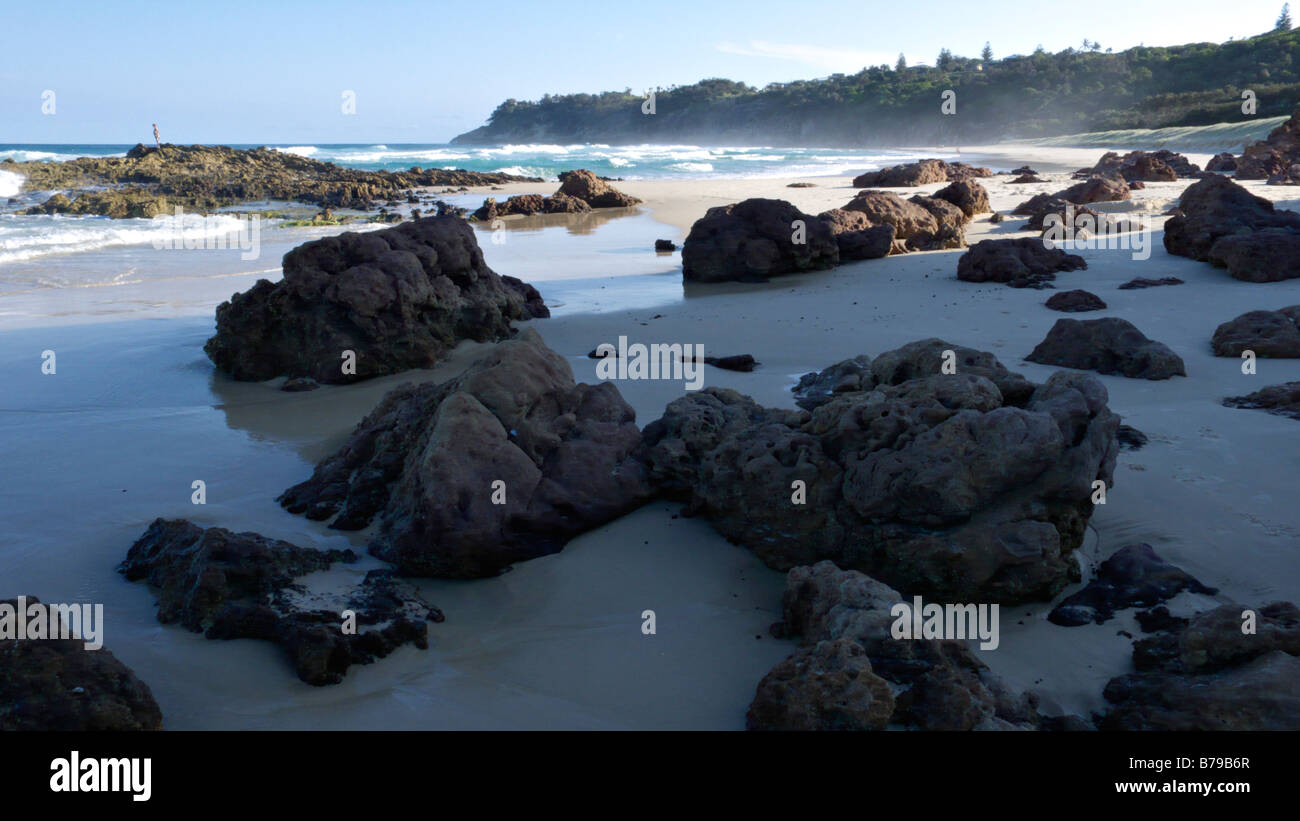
275 72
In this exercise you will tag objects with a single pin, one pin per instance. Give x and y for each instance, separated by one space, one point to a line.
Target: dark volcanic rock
665 245
1025 178
1274 334
1097 189
1130 438
739 362
1223 163
57 684
504 463
1283 400
856 236
1039 207
922 223
974 484
755 239
1134 576
586 186
1076 301
529 204
1140 283
1020 263
1138 166
1225 224
1210 674
241 585
968 195
951 222
851 673
1272 155
400 298
819 387
1110 346
922 172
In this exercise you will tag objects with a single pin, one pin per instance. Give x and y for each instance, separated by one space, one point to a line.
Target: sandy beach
136 413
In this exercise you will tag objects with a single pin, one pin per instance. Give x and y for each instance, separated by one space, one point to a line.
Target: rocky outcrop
128 202
1143 166
1223 223
1109 346
529 204
755 239
1274 334
1133 576
1077 301
856 236
915 223
203 178
1282 400
879 488
1224 163
398 299
1212 674
1097 189
56 684
504 463
1020 263
922 172
1273 155
851 673
587 187
968 195
242 585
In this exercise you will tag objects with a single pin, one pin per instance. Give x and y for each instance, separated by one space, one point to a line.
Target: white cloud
831 59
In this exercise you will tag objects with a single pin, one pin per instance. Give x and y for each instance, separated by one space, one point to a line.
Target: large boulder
851 673
951 223
56 684
1211 674
922 172
1021 263
504 463
1223 223
529 204
752 240
920 224
242 585
1143 166
586 186
399 298
974 484
856 236
1267 333
1097 189
968 195
1109 346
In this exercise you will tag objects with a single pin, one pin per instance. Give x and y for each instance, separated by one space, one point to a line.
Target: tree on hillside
945 58
987 54
1284 19
901 65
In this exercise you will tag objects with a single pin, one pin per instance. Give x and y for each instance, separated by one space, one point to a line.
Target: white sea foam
25 238
10 183
300 150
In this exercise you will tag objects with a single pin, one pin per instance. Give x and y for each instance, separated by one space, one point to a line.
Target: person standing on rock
156 139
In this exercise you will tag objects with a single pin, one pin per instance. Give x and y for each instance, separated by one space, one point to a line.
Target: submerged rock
398 299
1021 263
504 463
1133 576
752 240
58 685
242 585
974 484
1109 346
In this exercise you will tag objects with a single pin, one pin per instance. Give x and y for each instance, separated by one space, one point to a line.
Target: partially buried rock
1109 346
1134 576
1140 282
243 585
383 301
586 186
974 484
1211 674
1274 334
665 245
1077 301
1282 400
852 673
752 240
504 463
299 384
1130 438
56 684
1020 263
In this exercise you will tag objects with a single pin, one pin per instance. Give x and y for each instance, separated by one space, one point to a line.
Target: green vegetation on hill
1021 96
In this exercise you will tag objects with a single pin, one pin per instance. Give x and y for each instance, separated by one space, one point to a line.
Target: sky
421 72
